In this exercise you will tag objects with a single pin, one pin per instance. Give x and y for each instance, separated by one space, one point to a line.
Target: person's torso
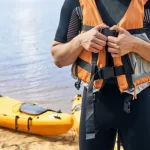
108 10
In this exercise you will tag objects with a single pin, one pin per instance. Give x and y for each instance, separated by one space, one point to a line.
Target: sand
11 140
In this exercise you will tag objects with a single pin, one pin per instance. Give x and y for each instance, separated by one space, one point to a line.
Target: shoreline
14 140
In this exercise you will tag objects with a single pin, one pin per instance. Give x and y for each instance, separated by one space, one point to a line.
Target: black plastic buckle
127 104
78 84
106 73
107 32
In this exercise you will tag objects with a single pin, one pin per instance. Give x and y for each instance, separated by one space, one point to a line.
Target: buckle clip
106 73
107 32
77 84
127 104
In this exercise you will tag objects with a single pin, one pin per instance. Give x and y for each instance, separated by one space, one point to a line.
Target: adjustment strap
128 69
109 72
94 64
90 123
105 31
101 73
78 82
83 64
86 27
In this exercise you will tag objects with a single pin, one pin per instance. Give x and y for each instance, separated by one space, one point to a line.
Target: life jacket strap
109 72
78 82
128 71
108 32
102 73
90 100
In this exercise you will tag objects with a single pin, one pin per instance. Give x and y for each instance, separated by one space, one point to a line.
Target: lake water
27 71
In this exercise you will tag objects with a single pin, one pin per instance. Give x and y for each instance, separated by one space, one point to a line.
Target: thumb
119 29
101 26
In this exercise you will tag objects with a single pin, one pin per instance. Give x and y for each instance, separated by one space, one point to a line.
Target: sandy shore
11 140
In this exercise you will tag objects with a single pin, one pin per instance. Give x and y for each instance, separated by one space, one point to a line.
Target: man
133 124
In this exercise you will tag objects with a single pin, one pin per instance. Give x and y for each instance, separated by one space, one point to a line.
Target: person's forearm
142 48
66 54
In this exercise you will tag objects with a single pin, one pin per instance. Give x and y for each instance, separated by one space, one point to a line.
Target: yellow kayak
76 112
32 118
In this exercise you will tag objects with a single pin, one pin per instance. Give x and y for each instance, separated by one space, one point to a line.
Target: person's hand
121 45
93 40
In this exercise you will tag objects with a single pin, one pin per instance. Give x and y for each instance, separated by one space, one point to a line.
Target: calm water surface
27 72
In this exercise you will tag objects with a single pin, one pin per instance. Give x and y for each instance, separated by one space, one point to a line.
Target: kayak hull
49 123
76 112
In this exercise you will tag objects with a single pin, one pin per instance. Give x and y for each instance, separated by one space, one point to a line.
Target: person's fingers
101 26
113 50
114 55
118 29
94 50
99 42
113 45
96 46
112 39
101 36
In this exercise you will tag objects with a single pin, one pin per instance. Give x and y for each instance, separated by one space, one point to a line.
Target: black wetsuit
134 128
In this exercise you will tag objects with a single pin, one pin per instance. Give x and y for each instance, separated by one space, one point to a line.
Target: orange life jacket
132 19
92 68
